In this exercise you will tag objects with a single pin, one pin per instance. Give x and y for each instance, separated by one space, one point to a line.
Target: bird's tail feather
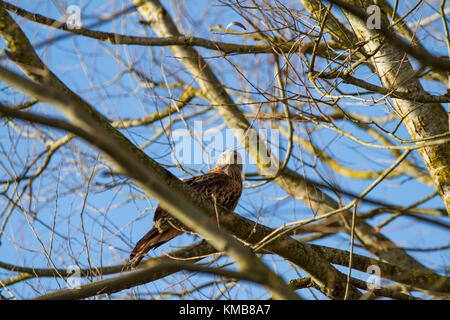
151 240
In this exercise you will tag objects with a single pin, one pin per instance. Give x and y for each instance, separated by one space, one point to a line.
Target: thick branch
422 120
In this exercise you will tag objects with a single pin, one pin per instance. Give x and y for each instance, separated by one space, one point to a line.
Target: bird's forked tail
151 240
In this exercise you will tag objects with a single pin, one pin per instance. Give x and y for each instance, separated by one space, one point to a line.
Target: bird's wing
219 186
208 184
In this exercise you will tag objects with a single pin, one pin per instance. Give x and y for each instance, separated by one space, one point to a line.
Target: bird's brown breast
220 187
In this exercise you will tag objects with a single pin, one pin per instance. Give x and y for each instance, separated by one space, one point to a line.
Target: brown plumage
223 184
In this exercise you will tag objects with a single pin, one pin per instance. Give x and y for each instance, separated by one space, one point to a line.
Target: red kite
223 184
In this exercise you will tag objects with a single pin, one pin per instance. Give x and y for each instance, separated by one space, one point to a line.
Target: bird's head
230 161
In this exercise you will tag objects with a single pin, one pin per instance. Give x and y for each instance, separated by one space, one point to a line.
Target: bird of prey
222 184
